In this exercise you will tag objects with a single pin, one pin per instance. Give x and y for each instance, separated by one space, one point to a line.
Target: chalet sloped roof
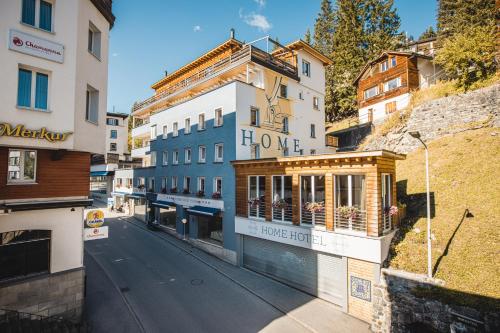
300 44
385 54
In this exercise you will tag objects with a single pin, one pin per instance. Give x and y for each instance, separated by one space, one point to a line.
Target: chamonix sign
19 131
35 46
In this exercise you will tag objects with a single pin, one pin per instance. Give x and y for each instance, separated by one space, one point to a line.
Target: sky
153 36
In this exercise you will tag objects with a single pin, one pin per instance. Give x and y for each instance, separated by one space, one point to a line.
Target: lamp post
416 135
184 221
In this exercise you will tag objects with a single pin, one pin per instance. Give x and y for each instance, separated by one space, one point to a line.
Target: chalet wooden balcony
248 53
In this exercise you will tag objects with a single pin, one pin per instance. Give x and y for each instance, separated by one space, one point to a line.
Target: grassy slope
465 173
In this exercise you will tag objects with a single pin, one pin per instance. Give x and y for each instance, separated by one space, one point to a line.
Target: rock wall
402 303
443 116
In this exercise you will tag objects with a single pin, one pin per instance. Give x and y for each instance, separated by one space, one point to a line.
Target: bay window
256 196
312 199
282 198
22 166
350 202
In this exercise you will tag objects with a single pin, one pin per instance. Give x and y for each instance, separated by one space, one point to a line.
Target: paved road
169 290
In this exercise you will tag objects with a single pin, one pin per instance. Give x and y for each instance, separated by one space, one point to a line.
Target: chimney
231 33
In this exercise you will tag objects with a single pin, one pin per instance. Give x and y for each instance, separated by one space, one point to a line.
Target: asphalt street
141 282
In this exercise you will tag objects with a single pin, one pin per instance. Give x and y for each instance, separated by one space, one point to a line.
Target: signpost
94 219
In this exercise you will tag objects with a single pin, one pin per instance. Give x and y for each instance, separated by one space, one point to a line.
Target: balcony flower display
391 210
348 212
280 204
141 186
216 195
173 190
315 207
185 191
254 202
200 194
164 190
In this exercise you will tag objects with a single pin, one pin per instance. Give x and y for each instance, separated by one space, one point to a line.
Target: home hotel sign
19 131
35 46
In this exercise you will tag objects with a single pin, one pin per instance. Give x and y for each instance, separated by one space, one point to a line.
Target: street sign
95 233
94 219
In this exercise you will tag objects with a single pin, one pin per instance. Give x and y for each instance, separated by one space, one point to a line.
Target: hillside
464 169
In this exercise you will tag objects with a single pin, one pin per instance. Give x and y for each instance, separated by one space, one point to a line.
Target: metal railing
283 214
247 53
257 210
316 217
356 223
387 221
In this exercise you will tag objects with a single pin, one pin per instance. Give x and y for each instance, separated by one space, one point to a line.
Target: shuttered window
28 12
29 90
24 88
45 15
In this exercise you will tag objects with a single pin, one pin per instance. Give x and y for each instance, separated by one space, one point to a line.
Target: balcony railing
309 217
356 222
387 221
283 214
247 53
257 209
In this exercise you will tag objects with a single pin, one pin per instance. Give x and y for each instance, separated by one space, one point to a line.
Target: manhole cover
196 282
124 289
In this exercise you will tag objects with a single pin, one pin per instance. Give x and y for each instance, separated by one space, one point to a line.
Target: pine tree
382 25
428 33
455 15
307 36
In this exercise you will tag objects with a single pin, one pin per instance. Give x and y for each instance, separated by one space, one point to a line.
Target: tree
381 28
455 15
428 33
307 36
469 56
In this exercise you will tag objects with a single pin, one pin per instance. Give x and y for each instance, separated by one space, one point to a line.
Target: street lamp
184 221
416 135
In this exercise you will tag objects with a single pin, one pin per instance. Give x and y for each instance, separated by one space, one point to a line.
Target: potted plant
173 190
164 190
200 194
391 210
315 207
254 202
216 195
348 212
280 204
185 191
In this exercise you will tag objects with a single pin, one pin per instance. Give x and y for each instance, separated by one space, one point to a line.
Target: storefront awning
136 195
101 173
118 194
205 211
163 204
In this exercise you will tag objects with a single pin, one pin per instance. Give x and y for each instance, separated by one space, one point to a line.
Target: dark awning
118 194
205 211
163 204
53 204
136 195
101 173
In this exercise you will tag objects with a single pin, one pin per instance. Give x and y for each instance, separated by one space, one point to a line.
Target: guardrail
356 222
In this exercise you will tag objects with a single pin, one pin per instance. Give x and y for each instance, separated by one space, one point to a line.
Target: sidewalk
311 312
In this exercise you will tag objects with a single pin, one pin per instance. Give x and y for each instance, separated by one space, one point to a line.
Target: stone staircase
20 322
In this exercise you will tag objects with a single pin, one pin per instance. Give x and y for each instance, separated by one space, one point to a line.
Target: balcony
248 53
350 219
141 151
142 130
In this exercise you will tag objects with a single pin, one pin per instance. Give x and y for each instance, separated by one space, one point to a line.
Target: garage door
320 274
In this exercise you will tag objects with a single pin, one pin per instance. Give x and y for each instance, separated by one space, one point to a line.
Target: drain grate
196 282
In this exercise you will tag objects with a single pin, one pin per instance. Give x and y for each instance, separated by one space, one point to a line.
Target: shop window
210 228
32 89
312 197
24 253
167 217
256 196
350 202
22 166
282 198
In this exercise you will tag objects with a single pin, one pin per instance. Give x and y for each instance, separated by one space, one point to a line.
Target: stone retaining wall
444 116
58 294
402 303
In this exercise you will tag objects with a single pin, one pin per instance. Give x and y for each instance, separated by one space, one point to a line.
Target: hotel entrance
206 224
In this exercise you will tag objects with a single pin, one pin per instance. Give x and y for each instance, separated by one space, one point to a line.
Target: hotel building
236 101
54 57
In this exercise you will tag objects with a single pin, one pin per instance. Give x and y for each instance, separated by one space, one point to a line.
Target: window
112 146
312 196
315 103
254 151
175 157
153 132
113 134
306 68
254 116
392 84
165 158
187 155
201 122
41 18
313 131
187 126
393 61
350 205
202 154
176 129
283 91
301 95
256 196
32 89
390 107
163 185
369 93
151 184
201 184
218 185
153 158
112 121
165 131
285 125
313 152
23 253
384 66
282 198
218 121
187 184
92 105
386 200
94 42
22 166
219 152
174 182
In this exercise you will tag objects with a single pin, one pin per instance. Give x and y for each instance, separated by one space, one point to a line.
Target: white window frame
306 68
185 184
111 145
384 65
174 183
188 155
398 84
365 93
313 199
175 129
393 61
37 16
94 44
200 179
153 158
165 131
218 159
217 179
187 126
218 121
175 157
152 132
200 149
282 194
201 122
34 71
257 195
164 159
21 179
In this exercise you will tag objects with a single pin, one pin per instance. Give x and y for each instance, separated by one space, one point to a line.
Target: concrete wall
379 114
47 295
367 273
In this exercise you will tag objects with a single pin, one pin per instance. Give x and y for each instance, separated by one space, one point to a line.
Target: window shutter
24 88
28 14
42 86
45 15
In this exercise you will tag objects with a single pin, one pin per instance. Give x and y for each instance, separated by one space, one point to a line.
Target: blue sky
152 36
